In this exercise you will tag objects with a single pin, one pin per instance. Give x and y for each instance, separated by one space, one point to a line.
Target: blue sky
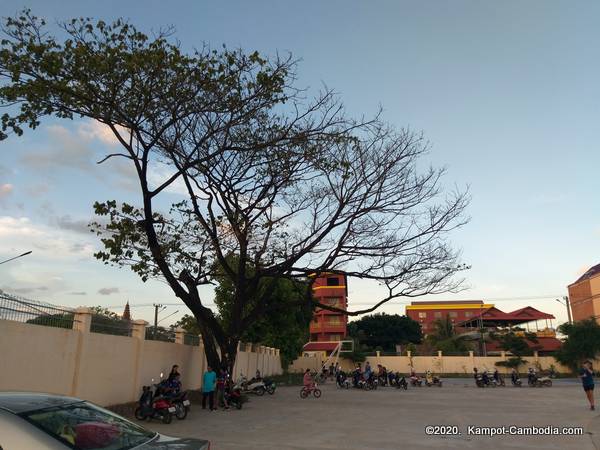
506 92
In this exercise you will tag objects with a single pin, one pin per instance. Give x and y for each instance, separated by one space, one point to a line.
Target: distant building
425 313
327 328
584 295
470 316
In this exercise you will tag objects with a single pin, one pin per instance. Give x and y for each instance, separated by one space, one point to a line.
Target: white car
33 421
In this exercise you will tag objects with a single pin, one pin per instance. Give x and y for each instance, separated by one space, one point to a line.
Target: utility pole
565 301
156 307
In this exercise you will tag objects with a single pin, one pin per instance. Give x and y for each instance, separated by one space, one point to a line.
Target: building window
422 315
437 314
468 313
334 320
335 337
424 326
453 314
333 281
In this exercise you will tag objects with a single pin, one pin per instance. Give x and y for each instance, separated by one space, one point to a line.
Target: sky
507 94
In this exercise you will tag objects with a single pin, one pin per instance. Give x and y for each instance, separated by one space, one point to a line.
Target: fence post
138 329
441 361
472 359
138 332
82 320
179 335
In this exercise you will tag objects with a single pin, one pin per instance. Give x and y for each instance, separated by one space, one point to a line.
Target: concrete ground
391 419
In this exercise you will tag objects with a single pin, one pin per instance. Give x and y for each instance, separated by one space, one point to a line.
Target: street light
15 257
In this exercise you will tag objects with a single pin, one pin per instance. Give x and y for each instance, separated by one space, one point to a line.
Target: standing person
587 379
174 373
209 380
221 382
367 371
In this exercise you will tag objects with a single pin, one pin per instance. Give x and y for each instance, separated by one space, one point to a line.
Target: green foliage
512 362
385 331
515 344
444 337
582 342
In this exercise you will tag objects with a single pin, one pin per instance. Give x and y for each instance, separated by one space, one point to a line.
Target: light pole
15 257
566 303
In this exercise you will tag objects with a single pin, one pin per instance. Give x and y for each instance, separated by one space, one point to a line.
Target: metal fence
191 339
24 310
110 325
160 334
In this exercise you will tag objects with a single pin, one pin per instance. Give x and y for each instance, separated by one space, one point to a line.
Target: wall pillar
441 361
471 359
82 322
179 335
138 332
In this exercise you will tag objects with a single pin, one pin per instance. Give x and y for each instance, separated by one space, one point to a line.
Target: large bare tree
276 185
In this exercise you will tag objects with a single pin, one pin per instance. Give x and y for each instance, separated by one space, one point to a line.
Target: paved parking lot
393 419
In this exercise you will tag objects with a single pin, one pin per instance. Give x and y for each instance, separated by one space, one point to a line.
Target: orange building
584 295
328 327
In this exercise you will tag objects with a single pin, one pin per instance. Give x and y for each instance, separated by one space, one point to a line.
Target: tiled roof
591 272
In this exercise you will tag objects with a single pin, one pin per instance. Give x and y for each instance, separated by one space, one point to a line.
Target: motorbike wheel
547 383
167 418
439 384
238 405
139 414
271 390
260 391
303 393
317 393
181 411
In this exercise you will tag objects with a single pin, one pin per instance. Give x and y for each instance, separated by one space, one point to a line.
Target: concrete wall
437 364
106 369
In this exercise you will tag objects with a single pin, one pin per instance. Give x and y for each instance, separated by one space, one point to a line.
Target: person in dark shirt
587 379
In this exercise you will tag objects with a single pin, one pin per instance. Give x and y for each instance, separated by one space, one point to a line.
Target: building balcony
328 328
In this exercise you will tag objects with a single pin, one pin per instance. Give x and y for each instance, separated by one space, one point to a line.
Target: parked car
53 422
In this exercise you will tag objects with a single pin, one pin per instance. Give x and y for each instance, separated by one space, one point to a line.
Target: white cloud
93 130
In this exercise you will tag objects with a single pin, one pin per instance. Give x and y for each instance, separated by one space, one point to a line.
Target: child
307 380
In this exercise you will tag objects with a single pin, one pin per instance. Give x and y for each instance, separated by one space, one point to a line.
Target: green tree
385 331
289 185
445 338
582 342
517 345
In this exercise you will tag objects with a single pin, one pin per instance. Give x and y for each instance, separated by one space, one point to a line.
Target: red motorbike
152 406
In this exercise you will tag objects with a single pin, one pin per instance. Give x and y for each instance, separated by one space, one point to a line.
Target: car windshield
83 426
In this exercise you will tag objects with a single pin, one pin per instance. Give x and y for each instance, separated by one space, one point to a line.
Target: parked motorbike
515 380
401 382
534 381
253 386
498 379
416 381
270 385
234 397
152 406
432 380
178 399
483 380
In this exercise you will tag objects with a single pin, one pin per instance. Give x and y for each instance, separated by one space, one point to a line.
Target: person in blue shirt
587 379
209 381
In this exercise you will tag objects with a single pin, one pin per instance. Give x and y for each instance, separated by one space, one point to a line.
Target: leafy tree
385 331
582 342
445 338
289 186
517 345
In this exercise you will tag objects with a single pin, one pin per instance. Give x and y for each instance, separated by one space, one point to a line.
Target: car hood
162 442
